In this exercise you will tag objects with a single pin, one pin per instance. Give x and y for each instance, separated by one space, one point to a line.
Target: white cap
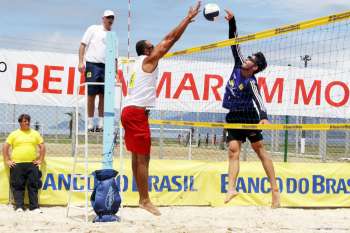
107 13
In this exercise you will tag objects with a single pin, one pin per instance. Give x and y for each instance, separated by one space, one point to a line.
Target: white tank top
142 86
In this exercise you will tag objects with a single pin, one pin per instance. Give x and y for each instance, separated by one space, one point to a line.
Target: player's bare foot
275 199
147 205
230 195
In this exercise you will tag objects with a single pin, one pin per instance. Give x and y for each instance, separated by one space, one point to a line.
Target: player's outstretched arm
236 52
151 62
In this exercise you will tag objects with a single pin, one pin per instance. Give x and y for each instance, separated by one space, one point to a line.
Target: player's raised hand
229 14
194 10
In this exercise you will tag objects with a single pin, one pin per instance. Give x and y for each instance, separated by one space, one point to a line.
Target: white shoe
100 123
90 127
90 123
19 210
37 211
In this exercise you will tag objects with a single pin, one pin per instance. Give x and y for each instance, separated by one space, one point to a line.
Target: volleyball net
305 90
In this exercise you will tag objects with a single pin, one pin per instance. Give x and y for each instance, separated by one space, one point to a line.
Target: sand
183 219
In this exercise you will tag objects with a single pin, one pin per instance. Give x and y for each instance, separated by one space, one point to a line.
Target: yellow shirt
24 144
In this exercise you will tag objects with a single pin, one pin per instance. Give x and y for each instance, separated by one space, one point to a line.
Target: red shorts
137 133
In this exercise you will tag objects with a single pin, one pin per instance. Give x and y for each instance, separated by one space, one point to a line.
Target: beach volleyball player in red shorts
142 96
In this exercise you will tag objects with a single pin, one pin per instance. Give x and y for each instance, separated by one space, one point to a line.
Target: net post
286 140
323 142
297 136
109 101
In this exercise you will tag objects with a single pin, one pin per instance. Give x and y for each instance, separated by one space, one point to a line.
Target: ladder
108 139
85 207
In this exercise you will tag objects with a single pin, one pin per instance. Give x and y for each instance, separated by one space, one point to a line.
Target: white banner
52 79
41 78
199 87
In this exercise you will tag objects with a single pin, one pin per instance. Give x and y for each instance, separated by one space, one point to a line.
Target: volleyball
211 11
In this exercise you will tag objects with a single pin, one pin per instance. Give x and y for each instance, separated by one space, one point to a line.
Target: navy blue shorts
95 72
242 134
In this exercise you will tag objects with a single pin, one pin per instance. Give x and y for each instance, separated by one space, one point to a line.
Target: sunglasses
250 58
150 47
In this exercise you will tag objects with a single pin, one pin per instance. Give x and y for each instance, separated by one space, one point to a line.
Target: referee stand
109 136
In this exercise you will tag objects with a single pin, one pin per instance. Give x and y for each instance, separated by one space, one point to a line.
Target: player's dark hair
260 61
140 47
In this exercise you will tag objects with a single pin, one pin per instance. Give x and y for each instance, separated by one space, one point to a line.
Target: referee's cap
107 13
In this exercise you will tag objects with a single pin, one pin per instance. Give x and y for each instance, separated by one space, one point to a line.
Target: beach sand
182 219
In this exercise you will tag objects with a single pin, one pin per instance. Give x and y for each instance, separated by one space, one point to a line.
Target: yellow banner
174 182
4 182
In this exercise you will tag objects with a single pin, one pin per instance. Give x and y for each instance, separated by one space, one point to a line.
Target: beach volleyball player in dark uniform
243 100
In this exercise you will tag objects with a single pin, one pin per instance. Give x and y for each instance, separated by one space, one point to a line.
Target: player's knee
143 159
233 153
258 147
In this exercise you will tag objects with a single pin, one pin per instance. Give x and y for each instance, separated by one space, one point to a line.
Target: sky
58 25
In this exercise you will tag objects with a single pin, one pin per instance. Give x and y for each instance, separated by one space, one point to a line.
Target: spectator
37 126
207 140
187 138
199 140
24 163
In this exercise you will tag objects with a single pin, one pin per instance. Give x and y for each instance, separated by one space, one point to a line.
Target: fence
175 142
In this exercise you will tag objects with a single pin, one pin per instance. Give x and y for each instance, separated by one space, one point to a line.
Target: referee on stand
93 51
